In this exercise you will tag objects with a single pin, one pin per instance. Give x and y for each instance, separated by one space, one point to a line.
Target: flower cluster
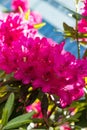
42 63
13 27
48 84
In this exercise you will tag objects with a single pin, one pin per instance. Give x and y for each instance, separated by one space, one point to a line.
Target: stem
78 44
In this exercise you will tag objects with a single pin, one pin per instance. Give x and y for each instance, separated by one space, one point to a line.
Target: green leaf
8 109
37 120
19 121
74 118
3 91
1 110
44 108
44 105
83 119
74 14
4 119
16 124
74 34
69 31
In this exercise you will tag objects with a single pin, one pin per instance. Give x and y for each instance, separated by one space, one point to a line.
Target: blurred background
54 13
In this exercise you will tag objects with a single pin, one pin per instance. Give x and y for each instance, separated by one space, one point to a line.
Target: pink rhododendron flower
84 9
46 65
7 59
82 26
24 4
13 27
36 106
